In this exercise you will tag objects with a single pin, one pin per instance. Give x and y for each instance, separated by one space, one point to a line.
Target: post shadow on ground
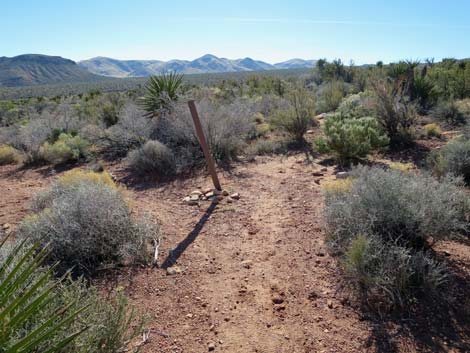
175 253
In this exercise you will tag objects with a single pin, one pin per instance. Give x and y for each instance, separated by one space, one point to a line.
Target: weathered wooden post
204 146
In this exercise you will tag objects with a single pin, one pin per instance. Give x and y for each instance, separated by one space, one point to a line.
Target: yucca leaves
161 92
25 289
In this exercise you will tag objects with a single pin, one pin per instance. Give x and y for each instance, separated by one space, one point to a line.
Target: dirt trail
256 277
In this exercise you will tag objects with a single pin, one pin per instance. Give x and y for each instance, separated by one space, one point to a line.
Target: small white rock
342 175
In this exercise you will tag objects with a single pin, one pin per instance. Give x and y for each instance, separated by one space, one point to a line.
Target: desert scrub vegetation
349 139
298 117
380 227
357 105
41 313
153 157
394 111
453 158
87 223
451 112
66 148
268 146
330 96
432 130
9 155
131 131
161 92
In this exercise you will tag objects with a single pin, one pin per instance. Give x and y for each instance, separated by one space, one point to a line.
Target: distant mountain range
205 64
34 69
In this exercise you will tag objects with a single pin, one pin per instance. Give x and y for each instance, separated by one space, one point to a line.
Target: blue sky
364 31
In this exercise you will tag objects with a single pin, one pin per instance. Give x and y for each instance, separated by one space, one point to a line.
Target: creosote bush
88 224
67 148
453 158
299 115
153 157
450 112
9 155
395 113
379 226
330 96
350 138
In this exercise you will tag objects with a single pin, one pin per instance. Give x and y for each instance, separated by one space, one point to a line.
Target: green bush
89 225
153 157
448 111
453 158
357 106
432 130
112 323
380 225
395 113
331 96
299 115
9 155
262 147
350 139
67 148
75 316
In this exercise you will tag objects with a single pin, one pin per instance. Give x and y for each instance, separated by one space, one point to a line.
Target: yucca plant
25 290
161 92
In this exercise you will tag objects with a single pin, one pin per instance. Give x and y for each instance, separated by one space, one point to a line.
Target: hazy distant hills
33 69
37 69
205 64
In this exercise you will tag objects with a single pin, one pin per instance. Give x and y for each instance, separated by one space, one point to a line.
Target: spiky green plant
25 290
161 92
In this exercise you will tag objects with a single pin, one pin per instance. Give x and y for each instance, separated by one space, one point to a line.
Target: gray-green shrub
89 225
453 158
131 131
380 225
152 157
389 276
227 128
397 207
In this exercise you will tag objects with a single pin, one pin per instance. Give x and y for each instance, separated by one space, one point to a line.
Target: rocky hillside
34 69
